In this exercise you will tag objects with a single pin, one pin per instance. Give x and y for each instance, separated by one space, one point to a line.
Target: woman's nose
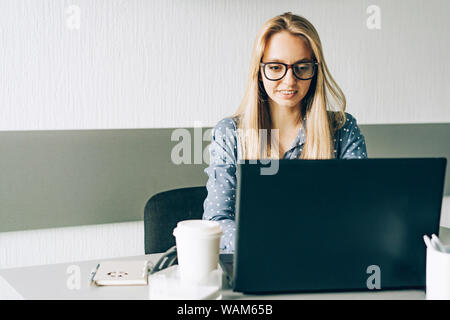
289 78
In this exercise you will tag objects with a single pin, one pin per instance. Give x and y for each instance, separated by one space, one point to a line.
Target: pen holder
438 275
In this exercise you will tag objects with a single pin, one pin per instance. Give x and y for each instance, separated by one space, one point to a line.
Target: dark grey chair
164 210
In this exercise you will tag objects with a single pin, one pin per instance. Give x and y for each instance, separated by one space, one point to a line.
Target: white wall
134 64
153 64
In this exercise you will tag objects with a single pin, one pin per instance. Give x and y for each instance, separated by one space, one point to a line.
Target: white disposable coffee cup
197 249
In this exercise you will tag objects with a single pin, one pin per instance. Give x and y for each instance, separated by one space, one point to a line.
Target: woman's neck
285 118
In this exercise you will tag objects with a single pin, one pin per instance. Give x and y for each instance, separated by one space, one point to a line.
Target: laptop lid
325 225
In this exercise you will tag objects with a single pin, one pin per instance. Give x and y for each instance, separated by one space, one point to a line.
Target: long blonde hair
323 105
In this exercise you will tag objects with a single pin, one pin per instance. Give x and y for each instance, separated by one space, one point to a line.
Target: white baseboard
63 245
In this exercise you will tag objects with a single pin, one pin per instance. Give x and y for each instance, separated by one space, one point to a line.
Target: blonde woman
291 94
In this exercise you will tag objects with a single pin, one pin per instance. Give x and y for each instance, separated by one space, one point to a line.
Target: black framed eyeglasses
275 71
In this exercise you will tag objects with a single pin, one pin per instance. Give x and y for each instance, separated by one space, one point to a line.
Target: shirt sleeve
351 140
220 202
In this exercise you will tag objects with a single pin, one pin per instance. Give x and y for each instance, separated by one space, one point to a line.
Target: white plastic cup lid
198 228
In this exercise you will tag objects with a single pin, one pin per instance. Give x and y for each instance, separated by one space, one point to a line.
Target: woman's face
289 49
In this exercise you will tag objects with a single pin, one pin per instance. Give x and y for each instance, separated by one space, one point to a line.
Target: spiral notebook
121 273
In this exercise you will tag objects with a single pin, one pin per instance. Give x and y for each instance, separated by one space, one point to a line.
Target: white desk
50 282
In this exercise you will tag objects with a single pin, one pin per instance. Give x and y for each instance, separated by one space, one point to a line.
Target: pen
93 273
427 242
437 243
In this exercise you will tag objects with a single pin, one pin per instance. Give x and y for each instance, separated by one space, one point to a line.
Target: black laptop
334 225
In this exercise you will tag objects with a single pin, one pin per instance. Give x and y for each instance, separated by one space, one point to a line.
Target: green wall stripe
81 177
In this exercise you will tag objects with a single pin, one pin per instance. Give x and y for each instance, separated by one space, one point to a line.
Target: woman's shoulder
341 120
226 124
224 139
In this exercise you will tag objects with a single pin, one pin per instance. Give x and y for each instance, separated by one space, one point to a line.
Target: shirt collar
301 136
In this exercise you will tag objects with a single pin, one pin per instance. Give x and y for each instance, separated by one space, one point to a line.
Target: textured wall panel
141 64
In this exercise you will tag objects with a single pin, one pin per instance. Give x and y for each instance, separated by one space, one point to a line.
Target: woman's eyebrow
301 60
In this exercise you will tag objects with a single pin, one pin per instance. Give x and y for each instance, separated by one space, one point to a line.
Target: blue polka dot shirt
219 205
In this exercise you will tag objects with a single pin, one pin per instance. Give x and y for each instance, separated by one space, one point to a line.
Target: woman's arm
351 140
220 203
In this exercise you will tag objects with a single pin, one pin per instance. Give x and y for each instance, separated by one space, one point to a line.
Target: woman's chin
286 104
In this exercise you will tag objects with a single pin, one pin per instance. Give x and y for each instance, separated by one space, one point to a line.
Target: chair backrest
164 210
